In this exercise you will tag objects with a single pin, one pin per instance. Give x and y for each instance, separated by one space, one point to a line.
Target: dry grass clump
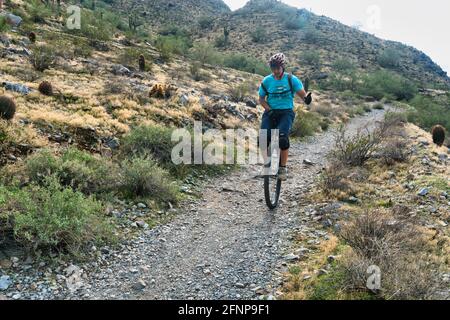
394 245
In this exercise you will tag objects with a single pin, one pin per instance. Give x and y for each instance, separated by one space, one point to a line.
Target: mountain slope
182 12
298 31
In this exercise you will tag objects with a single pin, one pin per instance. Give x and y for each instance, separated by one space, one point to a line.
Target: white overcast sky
421 24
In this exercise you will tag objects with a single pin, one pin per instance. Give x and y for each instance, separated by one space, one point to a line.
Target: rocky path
227 245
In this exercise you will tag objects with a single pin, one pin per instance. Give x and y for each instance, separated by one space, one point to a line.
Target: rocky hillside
181 12
263 27
297 32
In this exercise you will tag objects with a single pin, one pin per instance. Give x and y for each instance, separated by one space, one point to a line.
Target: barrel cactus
7 108
32 37
46 88
438 133
141 63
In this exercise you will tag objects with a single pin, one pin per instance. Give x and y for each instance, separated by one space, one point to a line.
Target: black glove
308 99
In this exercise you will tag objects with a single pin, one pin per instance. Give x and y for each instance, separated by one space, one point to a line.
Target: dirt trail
227 245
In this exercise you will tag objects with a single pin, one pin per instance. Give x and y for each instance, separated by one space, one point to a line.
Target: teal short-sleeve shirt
280 94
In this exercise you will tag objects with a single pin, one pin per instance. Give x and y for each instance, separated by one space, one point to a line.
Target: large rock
120 70
12 19
5 282
16 87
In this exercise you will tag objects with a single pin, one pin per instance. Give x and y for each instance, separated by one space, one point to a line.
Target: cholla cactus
46 88
438 133
7 108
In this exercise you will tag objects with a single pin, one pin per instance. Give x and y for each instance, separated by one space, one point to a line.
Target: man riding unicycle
276 95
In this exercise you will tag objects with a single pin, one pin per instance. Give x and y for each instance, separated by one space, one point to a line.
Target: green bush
294 23
311 57
77 169
42 57
197 73
37 11
239 92
153 141
93 27
387 84
312 35
82 48
221 41
130 57
245 63
204 53
143 178
389 58
54 217
206 22
4 26
429 112
259 35
170 45
306 124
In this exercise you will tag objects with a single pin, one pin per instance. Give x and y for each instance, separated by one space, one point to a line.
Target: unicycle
272 184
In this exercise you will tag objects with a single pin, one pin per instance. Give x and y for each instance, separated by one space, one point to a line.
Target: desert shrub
4 25
334 178
245 63
19 136
325 109
170 45
387 84
131 57
429 112
239 92
221 41
206 22
306 124
196 72
153 141
81 48
204 53
259 35
311 57
394 150
37 11
389 58
76 169
42 57
355 150
355 111
7 108
93 27
295 23
55 217
174 30
143 178
312 35
393 244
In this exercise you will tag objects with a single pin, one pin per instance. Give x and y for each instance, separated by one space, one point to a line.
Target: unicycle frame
272 195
